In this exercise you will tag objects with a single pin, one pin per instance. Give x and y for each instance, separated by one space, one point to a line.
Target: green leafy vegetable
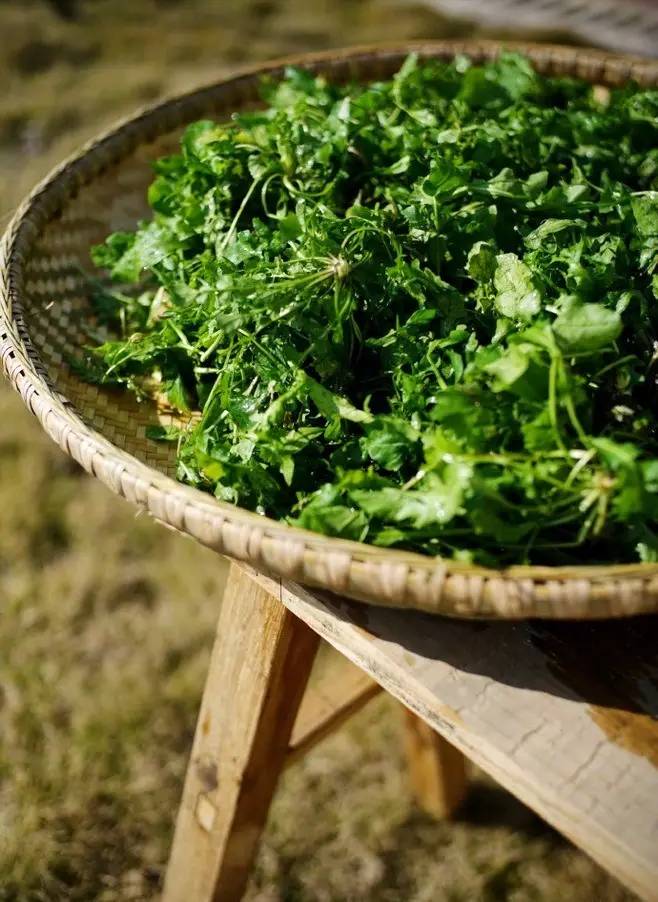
586 327
419 313
516 295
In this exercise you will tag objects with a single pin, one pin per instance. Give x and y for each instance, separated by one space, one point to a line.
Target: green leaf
507 368
481 262
177 394
163 433
516 75
332 405
645 211
586 327
438 501
549 227
391 443
516 297
442 181
467 415
325 513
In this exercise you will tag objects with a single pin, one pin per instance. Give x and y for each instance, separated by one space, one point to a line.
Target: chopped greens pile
420 313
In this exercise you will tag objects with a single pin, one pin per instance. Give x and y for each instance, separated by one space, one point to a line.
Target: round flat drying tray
43 302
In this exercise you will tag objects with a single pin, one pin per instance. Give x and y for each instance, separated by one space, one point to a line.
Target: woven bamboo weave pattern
43 325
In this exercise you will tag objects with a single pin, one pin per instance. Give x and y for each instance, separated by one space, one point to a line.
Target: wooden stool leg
437 769
259 667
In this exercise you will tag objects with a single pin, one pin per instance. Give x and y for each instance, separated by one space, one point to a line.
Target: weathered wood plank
259 667
437 770
338 690
562 715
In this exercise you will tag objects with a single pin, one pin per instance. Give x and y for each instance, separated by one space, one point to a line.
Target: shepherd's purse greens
419 313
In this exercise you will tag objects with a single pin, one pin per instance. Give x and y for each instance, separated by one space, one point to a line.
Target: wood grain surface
259 667
338 690
562 715
437 770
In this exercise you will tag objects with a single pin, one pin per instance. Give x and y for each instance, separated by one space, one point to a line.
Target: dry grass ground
106 619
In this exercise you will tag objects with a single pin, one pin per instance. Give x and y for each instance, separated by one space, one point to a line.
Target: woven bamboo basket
43 304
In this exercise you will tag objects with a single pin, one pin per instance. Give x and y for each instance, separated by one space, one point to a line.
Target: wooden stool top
563 714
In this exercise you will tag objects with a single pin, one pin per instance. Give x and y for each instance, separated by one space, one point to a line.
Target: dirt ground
107 619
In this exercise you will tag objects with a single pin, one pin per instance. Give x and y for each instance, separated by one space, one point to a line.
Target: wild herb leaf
517 296
586 327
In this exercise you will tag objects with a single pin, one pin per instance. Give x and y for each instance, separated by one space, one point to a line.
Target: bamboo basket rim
378 575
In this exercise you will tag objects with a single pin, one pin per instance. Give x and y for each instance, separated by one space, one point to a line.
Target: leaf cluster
419 313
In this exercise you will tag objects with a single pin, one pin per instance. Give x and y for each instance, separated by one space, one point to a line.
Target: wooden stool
520 710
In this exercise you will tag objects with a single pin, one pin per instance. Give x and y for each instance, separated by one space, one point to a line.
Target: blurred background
107 619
